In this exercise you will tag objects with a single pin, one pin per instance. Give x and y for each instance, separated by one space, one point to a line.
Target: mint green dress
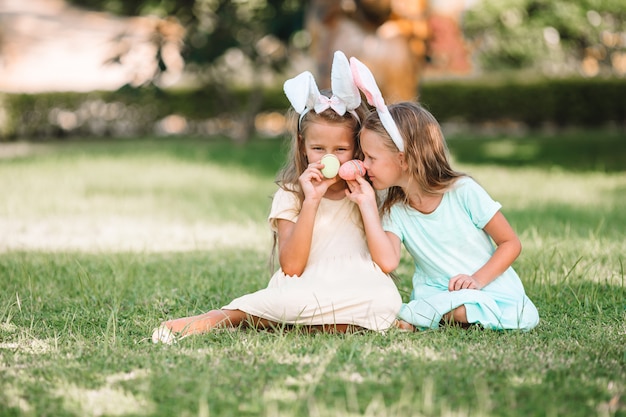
451 241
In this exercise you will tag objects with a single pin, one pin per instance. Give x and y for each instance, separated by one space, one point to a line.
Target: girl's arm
385 247
508 248
294 239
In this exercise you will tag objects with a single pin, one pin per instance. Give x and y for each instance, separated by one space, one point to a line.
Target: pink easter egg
351 169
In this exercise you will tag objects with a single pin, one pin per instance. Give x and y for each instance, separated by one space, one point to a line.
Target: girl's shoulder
285 205
470 195
463 181
285 193
465 184
289 191
468 192
288 187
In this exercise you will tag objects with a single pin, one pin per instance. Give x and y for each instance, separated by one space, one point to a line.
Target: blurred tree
555 37
390 37
223 39
214 26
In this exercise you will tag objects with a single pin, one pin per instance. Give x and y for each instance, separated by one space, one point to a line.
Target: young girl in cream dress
327 279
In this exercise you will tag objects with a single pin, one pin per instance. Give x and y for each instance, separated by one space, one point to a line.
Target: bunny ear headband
365 81
304 95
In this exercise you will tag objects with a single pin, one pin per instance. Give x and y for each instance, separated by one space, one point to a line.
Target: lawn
102 240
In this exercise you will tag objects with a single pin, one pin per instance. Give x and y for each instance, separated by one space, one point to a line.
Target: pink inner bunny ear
364 79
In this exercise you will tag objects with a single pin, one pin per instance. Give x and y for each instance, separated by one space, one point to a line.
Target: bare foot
405 326
163 334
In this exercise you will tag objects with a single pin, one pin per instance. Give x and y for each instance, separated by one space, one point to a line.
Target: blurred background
118 68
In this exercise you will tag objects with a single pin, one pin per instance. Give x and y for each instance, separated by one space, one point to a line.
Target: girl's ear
402 161
304 155
301 144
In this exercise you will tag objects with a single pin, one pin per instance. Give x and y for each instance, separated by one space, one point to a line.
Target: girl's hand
463 282
314 184
360 191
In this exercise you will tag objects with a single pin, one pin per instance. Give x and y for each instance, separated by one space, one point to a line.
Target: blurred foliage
227 44
126 112
260 29
593 103
556 37
582 151
224 37
563 102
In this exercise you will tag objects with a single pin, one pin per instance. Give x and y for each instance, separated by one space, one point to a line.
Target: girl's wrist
370 217
479 282
312 202
368 208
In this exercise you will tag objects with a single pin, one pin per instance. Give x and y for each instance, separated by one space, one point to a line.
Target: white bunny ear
302 92
342 83
365 81
304 95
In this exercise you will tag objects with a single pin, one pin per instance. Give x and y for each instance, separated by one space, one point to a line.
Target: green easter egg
331 165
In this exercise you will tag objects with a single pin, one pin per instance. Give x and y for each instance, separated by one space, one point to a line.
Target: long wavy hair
425 151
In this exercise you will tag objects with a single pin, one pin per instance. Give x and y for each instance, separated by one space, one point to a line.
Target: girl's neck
425 203
336 191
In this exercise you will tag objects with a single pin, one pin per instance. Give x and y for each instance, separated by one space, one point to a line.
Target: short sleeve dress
451 241
340 283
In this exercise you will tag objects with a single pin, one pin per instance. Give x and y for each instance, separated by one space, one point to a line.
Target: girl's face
384 166
322 138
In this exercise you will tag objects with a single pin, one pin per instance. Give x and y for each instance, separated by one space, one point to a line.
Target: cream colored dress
340 284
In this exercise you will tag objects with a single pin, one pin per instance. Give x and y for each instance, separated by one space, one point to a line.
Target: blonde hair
425 150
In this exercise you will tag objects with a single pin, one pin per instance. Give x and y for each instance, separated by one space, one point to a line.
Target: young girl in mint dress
461 243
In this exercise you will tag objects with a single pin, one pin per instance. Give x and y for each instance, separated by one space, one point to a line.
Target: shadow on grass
581 151
260 155
562 220
601 151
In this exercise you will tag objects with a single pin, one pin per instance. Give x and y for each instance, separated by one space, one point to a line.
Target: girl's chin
339 185
376 185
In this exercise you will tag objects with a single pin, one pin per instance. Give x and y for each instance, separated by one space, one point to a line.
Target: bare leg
456 317
169 331
263 324
206 322
214 319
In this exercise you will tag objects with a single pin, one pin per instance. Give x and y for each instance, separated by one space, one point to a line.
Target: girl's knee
458 315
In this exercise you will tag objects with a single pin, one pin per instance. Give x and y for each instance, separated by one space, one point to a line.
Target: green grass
100 241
